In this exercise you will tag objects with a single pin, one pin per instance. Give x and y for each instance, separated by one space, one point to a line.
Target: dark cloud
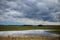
46 10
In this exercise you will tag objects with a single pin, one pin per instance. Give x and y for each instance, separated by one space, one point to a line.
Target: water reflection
27 33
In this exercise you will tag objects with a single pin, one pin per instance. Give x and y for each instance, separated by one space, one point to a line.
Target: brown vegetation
28 38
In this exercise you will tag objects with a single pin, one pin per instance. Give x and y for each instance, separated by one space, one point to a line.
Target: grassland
15 27
56 29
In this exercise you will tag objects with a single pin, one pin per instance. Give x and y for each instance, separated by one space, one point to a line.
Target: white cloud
12 4
37 22
27 21
14 13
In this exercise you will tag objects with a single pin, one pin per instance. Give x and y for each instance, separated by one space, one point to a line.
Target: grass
56 29
29 38
2 28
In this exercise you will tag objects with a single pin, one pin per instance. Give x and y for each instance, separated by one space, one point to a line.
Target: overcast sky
29 12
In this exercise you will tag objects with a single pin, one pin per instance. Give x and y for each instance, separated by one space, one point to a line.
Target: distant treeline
29 25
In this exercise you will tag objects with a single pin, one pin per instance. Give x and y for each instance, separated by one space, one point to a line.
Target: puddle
28 33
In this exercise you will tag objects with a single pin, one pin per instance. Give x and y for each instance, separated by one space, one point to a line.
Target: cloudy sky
29 12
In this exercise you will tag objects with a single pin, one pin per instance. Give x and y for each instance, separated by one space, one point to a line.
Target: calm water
28 33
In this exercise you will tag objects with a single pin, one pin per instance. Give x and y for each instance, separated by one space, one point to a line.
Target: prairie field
27 27
55 29
29 38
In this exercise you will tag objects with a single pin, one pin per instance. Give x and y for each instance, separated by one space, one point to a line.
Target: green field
56 29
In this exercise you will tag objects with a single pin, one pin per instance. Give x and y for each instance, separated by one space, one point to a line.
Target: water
28 33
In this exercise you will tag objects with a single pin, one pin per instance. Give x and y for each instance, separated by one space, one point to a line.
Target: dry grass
29 38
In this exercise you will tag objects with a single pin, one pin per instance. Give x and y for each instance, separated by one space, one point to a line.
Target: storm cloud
34 11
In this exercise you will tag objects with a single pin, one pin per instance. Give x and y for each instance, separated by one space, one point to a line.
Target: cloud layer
31 11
